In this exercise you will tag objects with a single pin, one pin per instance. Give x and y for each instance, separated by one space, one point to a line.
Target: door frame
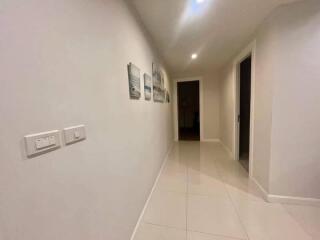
175 104
249 50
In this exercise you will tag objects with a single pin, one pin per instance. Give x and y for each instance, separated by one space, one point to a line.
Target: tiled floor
203 194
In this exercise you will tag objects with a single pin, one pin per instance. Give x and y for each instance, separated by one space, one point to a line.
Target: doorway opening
188 95
244 111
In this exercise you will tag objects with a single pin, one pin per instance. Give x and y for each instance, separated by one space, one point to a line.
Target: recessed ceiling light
194 56
200 1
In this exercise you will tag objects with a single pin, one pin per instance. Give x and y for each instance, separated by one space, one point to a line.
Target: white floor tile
204 236
265 221
205 184
308 217
214 215
153 232
173 181
203 194
167 209
248 192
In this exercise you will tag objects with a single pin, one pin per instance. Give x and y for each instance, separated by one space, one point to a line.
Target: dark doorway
188 111
244 118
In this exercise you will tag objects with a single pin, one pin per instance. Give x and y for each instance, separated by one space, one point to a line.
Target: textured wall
63 63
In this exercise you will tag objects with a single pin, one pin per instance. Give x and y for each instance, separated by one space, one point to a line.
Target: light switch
77 135
42 142
52 140
74 134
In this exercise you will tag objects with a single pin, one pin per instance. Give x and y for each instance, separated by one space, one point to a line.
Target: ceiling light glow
200 1
194 56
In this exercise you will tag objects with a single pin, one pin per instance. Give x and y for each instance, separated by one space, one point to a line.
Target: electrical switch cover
74 134
39 143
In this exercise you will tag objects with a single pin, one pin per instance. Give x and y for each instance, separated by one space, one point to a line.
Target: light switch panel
42 142
74 134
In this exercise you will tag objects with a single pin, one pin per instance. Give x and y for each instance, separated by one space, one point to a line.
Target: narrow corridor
202 194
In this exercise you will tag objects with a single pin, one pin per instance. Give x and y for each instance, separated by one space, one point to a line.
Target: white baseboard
293 200
215 140
262 190
151 192
227 149
271 198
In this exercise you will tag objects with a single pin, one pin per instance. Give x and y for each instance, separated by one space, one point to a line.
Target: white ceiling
216 29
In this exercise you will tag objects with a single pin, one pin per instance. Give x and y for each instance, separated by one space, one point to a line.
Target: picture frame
134 81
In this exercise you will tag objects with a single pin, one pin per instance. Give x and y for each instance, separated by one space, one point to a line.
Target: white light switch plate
74 134
42 142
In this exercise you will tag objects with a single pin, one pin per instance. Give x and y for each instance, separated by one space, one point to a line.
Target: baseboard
227 149
215 140
271 198
294 200
151 192
261 189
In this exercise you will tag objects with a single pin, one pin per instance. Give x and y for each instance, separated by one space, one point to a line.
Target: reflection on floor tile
308 217
174 178
247 192
167 209
203 236
153 232
269 221
215 215
202 194
202 184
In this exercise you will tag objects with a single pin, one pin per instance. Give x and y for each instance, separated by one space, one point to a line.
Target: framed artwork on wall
134 81
147 87
158 84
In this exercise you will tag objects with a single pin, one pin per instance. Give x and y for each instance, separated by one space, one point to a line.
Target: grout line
235 208
218 235
170 191
182 229
140 219
187 195
296 220
165 226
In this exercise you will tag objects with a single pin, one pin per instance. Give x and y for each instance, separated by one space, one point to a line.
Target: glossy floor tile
308 217
149 231
215 215
203 236
264 221
203 184
173 178
202 194
167 208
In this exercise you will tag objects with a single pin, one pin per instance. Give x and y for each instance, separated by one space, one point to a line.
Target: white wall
264 78
211 105
62 63
286 118
295 155
227 105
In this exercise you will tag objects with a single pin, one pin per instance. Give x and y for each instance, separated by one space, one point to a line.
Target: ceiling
215 29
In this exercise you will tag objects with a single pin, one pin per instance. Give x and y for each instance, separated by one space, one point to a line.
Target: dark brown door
245 101
188 111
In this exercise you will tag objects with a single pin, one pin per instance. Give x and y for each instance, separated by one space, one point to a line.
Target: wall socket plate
74 134
40 143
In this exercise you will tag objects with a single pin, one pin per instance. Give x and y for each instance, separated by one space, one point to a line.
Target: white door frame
175 104
249 50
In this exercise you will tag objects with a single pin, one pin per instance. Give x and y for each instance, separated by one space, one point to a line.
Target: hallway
95 96
202 194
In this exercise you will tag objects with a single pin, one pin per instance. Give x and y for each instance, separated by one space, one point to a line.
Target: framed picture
134 81
147 87
158 83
